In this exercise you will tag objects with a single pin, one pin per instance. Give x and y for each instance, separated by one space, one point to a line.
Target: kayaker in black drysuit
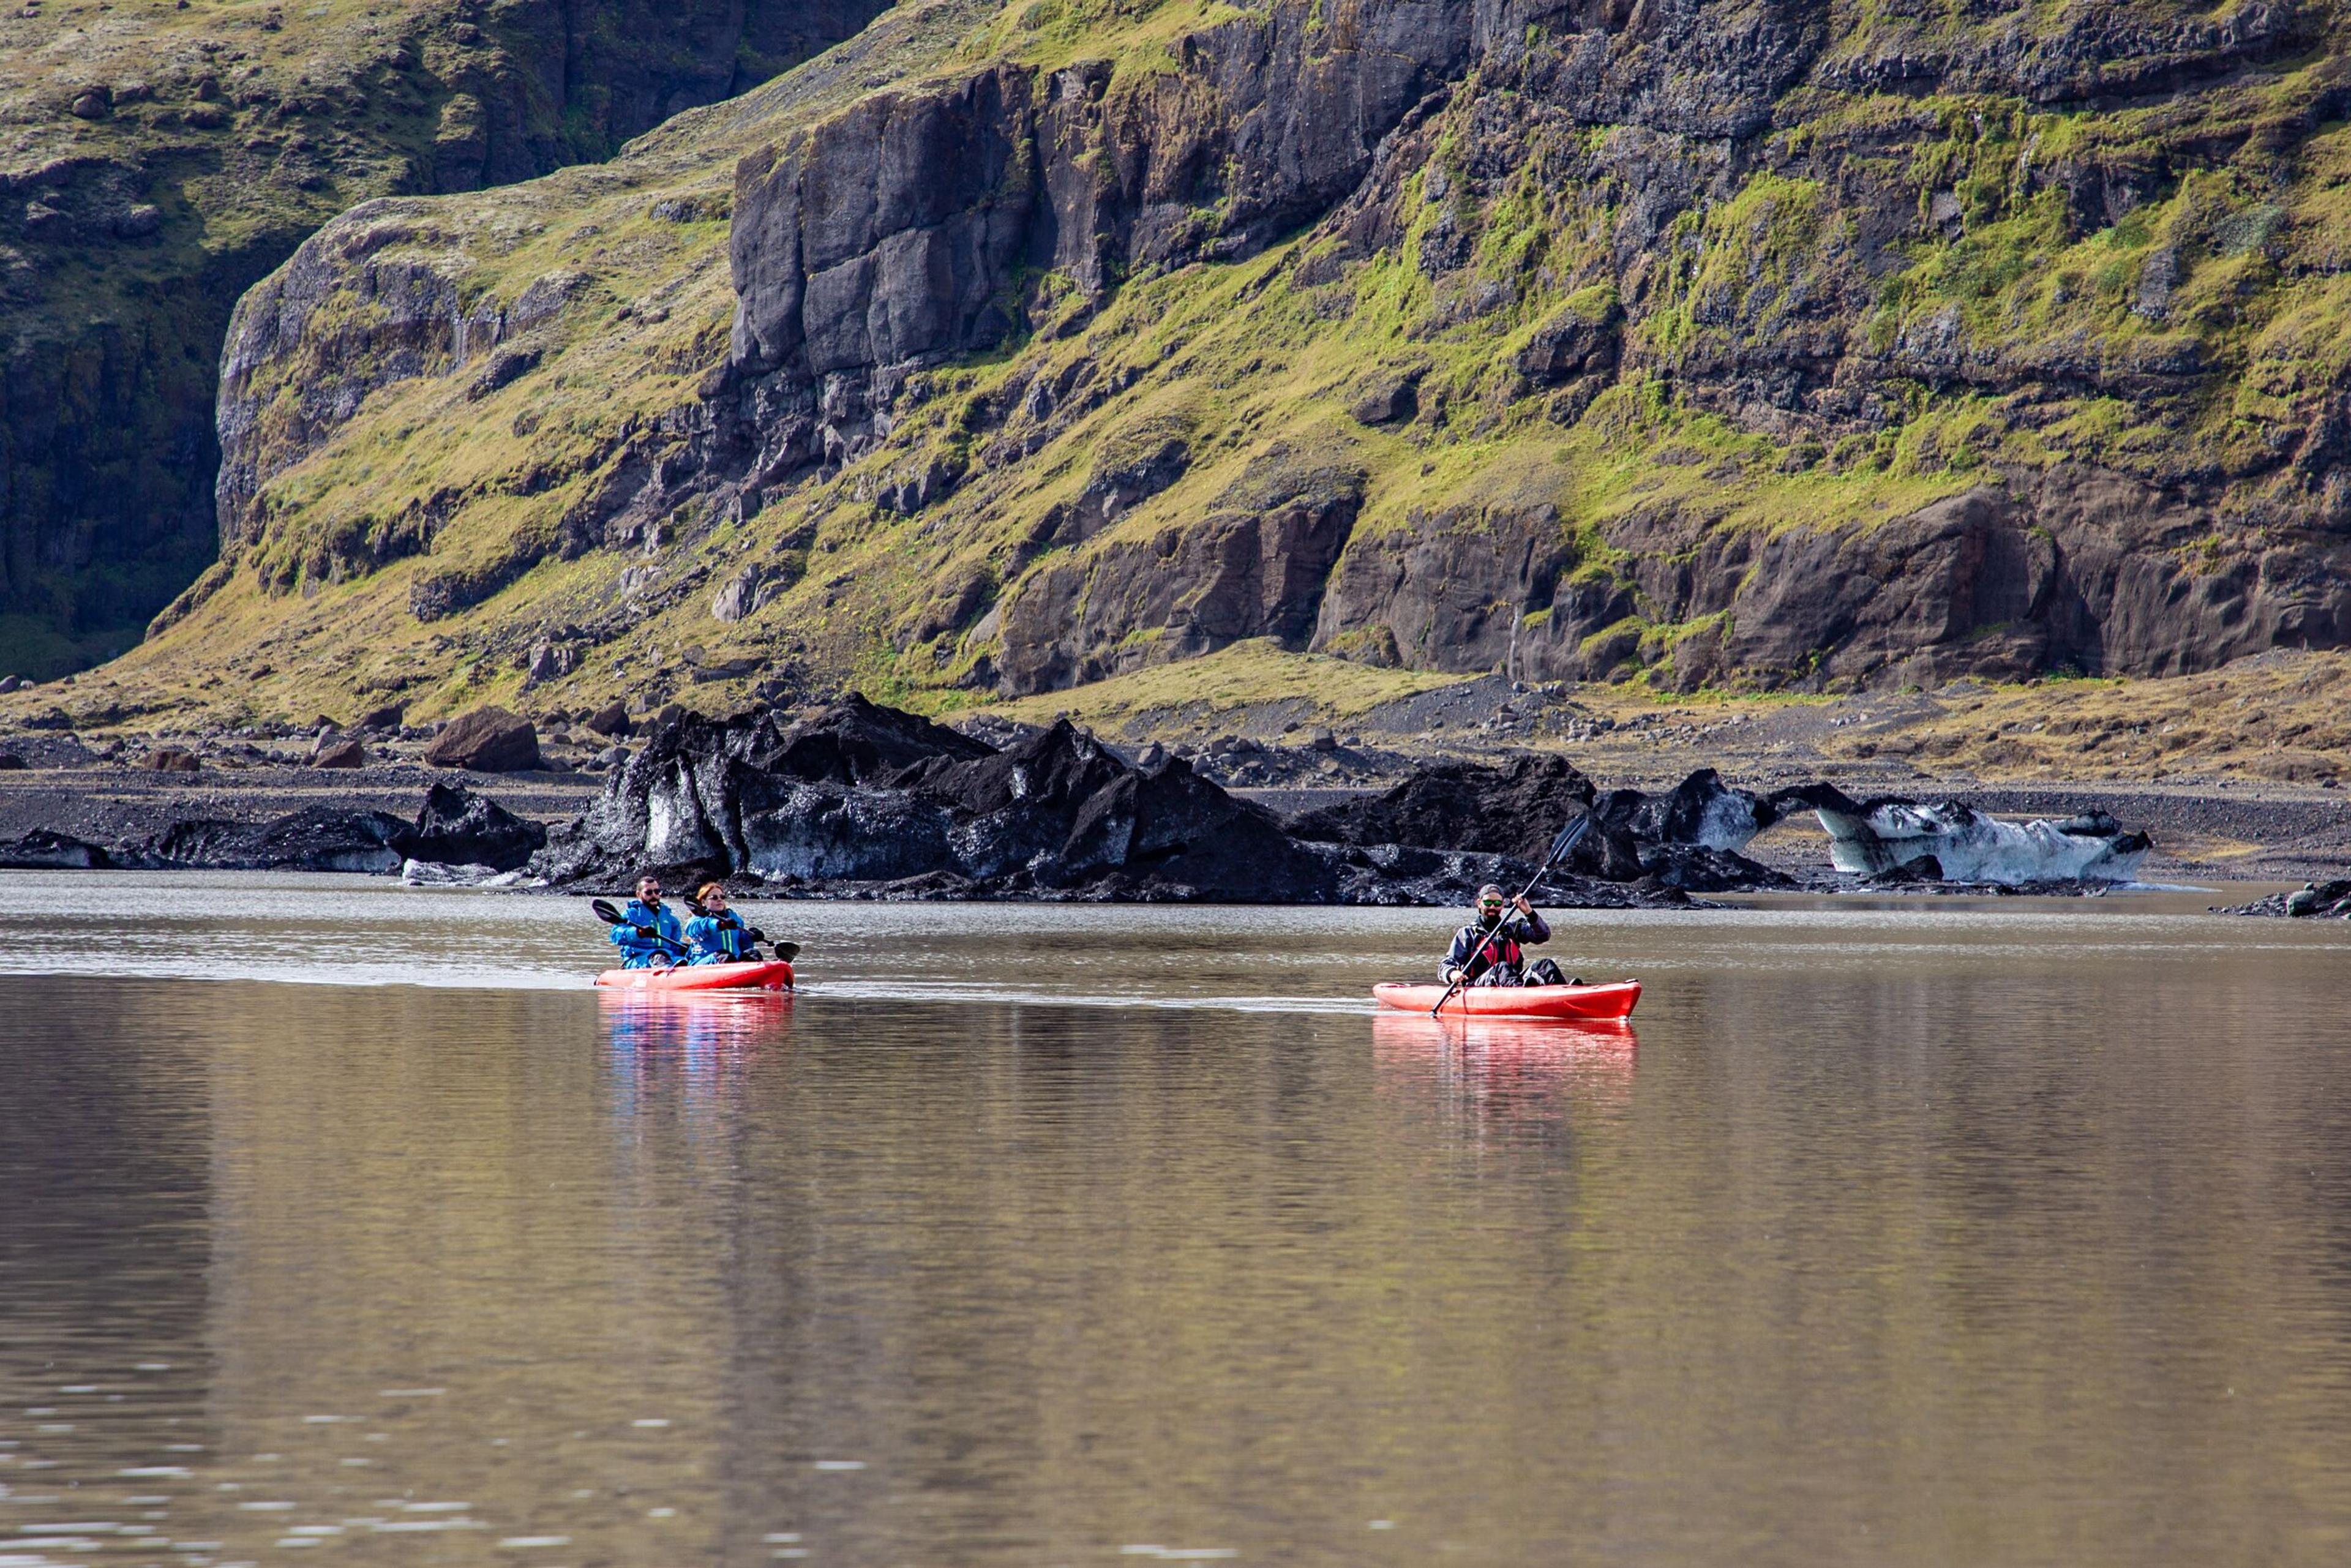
1490 949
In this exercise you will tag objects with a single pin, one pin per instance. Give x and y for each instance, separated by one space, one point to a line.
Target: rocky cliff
163 157
1702 342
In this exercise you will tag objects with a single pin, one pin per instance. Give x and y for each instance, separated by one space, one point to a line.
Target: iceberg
1875 837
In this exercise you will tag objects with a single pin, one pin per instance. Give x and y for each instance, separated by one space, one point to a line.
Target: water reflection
1898 1240
1506 1071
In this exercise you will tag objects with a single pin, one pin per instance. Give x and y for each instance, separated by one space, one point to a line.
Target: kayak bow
1614 1000
765 975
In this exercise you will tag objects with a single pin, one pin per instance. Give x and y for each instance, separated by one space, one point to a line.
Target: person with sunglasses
648 934
717 934
1492 949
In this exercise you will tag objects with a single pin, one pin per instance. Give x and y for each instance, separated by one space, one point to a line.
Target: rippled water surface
2009 1233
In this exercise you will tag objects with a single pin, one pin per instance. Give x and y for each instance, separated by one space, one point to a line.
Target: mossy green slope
159 156
1582 386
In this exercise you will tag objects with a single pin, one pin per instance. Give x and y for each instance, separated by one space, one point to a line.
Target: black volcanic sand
107 804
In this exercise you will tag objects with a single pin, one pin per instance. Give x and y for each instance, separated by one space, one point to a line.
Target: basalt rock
486 740
2312 900
868 802
864 794
1687 839
318 838
457 827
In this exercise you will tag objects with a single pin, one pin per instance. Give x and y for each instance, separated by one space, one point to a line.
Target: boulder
2319 899
457 827
10 762
339 752
172 759
611 720
383 719
486 740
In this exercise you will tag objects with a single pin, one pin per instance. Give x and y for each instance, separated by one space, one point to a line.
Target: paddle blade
604 912
786 951
1569 837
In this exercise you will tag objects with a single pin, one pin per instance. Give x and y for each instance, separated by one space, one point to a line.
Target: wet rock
2312 900
2320 900
340 752
486 740
457 827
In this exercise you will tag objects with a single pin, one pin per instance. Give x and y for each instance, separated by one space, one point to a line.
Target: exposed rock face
889 238
2074 569
1707 341
119 299
487 740
894 232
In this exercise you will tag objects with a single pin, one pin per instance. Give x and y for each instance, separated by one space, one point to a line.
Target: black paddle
785 951
611 916
1569 837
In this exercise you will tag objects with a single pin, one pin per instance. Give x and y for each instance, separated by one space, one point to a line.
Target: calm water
2012 1234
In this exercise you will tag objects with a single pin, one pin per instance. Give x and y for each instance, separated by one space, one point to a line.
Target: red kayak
1613 1000
768 975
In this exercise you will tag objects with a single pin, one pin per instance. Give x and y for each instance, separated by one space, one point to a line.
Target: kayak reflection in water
716 934
1490 949
647 934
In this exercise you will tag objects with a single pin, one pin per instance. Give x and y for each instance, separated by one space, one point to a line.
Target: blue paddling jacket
666 947
717 939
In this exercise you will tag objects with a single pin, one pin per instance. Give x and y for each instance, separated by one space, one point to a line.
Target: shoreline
2236 834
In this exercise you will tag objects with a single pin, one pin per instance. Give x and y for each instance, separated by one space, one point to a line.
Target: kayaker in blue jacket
1490 949
648 934
717 934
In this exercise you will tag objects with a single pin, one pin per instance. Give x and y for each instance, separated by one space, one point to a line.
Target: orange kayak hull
765 975
1614 1000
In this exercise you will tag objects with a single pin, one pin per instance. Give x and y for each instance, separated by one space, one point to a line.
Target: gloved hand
647 934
